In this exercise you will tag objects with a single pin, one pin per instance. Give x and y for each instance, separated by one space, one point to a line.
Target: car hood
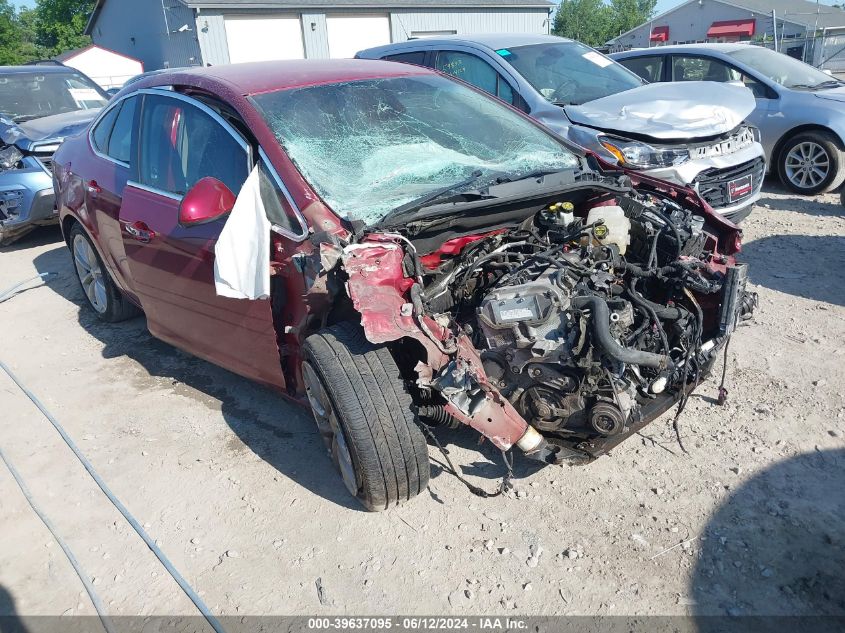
834 94
49 128
683 110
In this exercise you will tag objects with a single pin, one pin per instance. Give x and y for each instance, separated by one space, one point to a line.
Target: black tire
362 382
834 156
116 307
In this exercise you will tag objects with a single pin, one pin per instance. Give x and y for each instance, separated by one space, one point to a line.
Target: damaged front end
560 326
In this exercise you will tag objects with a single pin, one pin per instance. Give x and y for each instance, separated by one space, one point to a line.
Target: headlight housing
637 155
10 158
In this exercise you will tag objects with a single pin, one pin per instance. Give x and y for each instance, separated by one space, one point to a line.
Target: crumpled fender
494 416
379 288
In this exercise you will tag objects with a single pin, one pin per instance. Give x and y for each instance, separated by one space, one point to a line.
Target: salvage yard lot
235 486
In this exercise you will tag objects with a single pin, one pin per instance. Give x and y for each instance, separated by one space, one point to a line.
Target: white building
107 68
172 33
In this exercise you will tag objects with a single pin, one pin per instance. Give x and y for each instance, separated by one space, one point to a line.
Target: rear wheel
811 163
102 294
364 415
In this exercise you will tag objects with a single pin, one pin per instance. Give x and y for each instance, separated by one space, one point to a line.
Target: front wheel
364 415
811 163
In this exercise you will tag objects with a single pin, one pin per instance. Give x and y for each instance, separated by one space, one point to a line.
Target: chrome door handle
140 232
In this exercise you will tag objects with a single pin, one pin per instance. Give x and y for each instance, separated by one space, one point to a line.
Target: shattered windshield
27 96
569 73
370 146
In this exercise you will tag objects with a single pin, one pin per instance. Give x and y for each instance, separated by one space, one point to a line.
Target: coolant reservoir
618 226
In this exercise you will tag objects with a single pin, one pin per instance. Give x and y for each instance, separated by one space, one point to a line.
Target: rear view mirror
207 200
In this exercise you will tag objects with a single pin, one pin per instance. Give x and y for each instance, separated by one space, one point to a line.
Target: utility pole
775 28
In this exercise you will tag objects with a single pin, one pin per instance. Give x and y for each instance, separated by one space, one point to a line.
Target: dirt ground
235 486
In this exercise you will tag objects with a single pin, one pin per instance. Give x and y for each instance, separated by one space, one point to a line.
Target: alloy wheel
807 164
329 426
90 274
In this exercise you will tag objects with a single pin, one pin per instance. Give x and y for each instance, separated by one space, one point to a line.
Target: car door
111 139
172 267
476 71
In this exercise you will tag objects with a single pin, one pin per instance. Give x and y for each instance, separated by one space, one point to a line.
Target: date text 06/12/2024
419 623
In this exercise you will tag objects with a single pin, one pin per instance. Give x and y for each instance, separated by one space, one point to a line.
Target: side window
120 141
102 132
702 69
181 144
470 68
649 68
276 205
417 57
504 91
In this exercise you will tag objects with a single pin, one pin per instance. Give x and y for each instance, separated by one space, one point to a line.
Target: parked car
800 111
39 106
694 137
436 257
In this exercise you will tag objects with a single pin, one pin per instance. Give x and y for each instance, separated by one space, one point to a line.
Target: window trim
281 230
97 122
154 190
171 94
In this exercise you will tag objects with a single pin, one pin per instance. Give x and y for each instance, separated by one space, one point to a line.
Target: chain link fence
825 51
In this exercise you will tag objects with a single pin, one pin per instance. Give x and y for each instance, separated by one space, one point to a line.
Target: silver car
800 110
39 107
694 137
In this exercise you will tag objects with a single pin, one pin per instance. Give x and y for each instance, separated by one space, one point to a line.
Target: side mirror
207 200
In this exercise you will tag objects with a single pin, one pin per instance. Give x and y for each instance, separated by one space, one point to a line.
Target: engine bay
587 319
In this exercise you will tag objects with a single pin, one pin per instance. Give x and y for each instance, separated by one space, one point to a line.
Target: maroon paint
173 276
207 200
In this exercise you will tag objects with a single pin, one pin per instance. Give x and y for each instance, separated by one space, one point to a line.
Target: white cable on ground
7 294
95 599
192 595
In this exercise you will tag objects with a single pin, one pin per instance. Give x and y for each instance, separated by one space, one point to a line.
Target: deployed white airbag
242 253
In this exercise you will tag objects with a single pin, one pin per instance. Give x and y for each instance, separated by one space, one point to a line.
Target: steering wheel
565 88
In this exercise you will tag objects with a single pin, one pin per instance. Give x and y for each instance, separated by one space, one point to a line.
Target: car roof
494 41
52 69
260 77
685 48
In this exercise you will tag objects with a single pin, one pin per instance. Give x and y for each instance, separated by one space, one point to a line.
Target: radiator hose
609 345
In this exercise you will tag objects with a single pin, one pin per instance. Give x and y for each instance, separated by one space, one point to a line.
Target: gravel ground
234 485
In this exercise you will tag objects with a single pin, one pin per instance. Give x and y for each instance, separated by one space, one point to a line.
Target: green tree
594 22
29 48
9 35
628 14
60 24
588 21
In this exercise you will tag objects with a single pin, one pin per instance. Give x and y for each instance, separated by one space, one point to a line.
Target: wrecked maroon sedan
400 251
